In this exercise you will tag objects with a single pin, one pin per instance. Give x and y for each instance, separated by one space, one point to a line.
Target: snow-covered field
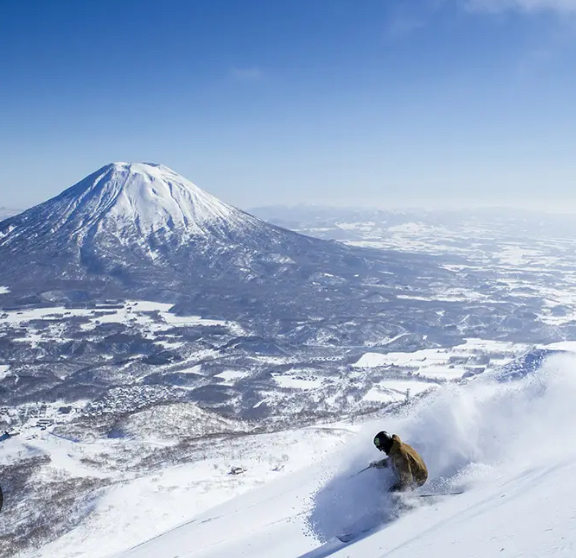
527 256
284 382
507 443
441 364
154 316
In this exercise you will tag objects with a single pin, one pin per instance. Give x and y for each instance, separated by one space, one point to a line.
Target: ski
349 537
439 494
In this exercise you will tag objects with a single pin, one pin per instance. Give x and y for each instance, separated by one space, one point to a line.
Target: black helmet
383 441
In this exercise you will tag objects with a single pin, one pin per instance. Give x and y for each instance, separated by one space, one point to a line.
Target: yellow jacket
408 466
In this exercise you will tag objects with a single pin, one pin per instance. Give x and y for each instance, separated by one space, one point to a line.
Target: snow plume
495 426
484 432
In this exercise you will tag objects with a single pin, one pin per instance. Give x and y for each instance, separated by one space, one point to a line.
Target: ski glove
382 464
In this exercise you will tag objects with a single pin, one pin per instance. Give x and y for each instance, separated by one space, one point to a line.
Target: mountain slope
512 517
481 438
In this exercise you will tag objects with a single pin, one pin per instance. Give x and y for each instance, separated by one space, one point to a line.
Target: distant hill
6 212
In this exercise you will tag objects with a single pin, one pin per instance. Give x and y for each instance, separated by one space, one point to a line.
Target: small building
43 423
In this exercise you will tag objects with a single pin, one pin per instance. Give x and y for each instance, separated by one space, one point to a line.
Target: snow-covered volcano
128 201
148 198
134 225
139 229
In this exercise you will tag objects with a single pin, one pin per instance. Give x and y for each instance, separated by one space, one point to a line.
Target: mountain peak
152 196
131 204
146 169
142 198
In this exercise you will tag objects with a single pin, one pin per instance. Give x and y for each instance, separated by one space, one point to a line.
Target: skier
408 467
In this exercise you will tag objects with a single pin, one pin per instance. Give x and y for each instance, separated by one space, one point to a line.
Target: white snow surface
436 363
148 505
155 195
508 445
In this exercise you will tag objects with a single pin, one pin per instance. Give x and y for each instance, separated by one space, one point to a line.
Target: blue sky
343 102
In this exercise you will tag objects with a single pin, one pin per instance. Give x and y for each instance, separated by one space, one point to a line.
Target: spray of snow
472 435
497 425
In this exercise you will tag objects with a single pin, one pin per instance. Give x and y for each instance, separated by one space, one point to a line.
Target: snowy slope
507 441
140 505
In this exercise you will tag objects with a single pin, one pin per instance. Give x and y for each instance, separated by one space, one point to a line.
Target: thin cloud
565 6
403 25
246 74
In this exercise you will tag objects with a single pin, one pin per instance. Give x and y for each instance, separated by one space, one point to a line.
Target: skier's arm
382 464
